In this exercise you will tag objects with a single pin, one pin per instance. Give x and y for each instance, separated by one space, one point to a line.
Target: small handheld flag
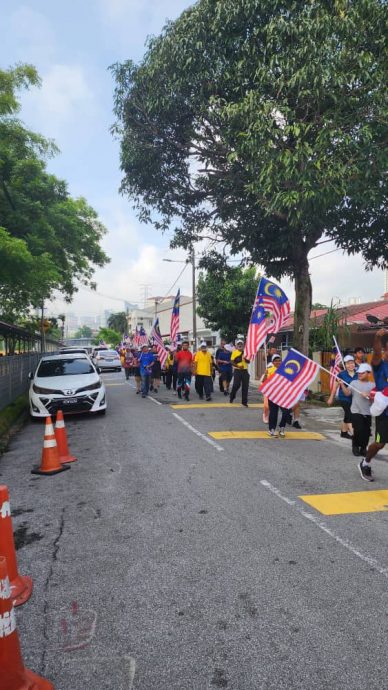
287 384
335 362
174 325
270 312
157 338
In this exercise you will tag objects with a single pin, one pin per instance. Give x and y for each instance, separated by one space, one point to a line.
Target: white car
67 382
107 359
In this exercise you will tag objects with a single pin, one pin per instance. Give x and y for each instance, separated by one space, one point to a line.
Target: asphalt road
168 560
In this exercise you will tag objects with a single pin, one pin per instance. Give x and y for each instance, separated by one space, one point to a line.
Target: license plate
70 401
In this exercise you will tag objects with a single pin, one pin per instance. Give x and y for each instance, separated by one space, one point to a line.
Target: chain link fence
14 379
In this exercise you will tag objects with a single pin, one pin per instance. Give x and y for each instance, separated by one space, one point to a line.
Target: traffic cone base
14 675
50 463
65 459
61 439
21 590
48 473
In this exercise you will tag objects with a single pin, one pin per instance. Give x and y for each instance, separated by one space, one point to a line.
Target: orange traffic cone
21 586
61 439
14 676
50 463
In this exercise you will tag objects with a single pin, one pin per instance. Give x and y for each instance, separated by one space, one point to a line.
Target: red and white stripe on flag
287 393
335 370
157 338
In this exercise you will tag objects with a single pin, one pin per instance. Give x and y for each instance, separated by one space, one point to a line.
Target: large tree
48 240
263 124
225 299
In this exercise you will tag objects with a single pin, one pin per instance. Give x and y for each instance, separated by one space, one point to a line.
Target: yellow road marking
196 406
290 435
356 502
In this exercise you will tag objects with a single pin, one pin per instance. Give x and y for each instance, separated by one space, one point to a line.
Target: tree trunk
303 301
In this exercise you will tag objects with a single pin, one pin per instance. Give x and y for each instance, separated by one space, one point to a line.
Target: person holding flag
239 364
184 362
285 385
346 376
146 361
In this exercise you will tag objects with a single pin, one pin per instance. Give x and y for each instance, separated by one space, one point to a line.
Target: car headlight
92 387
47 391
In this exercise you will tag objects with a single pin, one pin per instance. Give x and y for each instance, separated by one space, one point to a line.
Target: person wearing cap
360 408
223 357
146 361
240 373
202 365
276 361
347 376
380 373
184 360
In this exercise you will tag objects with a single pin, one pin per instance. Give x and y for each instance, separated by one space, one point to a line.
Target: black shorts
382 429
346 408
136 371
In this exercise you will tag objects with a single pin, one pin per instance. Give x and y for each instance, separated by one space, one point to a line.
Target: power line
324 253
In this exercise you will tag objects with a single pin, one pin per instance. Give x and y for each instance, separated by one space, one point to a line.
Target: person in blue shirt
380 373
347 376
146 361
224 367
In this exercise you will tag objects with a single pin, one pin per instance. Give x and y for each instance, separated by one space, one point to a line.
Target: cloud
65 100
130 21
33 34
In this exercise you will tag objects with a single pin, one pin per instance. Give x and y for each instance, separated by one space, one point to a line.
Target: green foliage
225 299
321 336
118 322
109 336
84 332
48 240
262 124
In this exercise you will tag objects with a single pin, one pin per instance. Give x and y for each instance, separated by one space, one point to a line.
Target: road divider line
197 433
157 402
290 435
321 525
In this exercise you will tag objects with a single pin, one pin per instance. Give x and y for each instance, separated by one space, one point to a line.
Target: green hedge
9 415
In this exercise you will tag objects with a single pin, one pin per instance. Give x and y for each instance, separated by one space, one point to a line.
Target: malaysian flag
174 325
270 312
289 381
140 337
335 368
157 338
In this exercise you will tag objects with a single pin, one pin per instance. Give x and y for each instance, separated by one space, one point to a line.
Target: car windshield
65 367
108 353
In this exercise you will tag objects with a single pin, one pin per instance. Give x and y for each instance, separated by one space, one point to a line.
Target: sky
72 45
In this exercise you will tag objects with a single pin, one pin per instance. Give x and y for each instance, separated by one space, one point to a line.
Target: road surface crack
46 588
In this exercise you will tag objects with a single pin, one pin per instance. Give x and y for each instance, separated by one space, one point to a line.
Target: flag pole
328 372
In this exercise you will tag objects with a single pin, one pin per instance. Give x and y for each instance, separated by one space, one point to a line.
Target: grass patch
9 415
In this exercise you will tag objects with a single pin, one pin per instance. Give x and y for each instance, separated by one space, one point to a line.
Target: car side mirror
30 375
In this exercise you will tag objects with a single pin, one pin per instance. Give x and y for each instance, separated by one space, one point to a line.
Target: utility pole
194 300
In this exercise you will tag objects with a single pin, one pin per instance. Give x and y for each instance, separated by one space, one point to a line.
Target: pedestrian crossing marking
290 435
197 406
354 502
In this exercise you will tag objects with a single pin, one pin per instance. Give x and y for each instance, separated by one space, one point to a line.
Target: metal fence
14 375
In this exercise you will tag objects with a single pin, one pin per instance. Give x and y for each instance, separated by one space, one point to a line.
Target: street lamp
191 260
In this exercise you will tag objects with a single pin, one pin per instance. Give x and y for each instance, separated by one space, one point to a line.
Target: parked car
108 359
67 382
73 351
97 349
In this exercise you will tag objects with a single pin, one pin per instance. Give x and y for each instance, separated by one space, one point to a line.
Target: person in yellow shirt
203 363
240 373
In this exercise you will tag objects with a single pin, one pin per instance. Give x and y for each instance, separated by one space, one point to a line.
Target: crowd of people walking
354 388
